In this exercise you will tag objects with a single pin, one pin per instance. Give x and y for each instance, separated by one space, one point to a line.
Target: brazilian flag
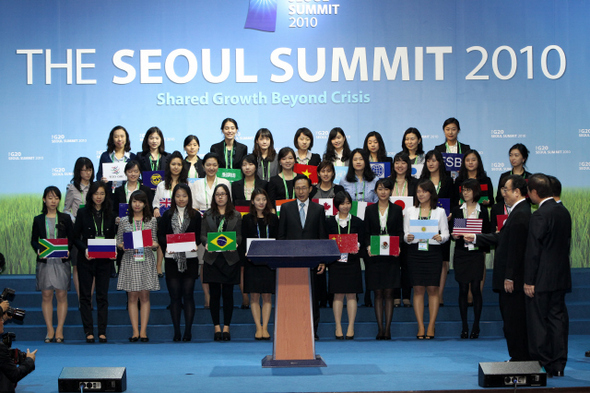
221 241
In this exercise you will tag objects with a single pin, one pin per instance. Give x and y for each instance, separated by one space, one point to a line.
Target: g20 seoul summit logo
262 14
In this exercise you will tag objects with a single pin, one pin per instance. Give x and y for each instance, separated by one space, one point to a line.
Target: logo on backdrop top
262 15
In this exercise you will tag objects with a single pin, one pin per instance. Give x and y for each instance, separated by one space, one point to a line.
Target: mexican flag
385 245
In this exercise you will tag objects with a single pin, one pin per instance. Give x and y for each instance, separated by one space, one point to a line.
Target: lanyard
113 158
386 215
356 191
228 159
127 191
523 174
396 189
96 227
258 230
424 218
220 227
248 191
155 167
438 187
347 223
267 170
47 228
458 147
135 225
287 190
207 200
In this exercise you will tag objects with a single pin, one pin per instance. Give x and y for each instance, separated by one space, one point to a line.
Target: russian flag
138 239
181 242
102 248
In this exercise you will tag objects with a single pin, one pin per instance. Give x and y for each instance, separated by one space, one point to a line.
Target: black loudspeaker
95 379
507 374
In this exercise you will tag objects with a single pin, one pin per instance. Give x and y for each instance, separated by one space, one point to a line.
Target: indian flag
358 209
423 229
385 245
279 203
53 248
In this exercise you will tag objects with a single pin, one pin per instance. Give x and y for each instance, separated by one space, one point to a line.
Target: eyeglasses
505 189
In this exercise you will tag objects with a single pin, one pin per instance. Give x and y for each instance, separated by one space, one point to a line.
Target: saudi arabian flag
385 245
221 241
53 248
423 229
358 209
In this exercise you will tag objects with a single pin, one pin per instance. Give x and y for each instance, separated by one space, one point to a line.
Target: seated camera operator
10 373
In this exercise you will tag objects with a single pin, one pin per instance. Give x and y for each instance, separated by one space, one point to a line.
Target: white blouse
439 214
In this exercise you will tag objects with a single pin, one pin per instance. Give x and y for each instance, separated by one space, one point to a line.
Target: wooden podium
294 344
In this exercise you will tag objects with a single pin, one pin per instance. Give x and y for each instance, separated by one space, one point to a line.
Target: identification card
423 245
138 255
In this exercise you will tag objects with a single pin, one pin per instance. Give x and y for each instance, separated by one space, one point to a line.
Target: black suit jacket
290 223
120 197
237 188
234 224
144 161
463 148
239 151
10 374
457 212
65 229
547 263
395 222
510 245
165 228
85 229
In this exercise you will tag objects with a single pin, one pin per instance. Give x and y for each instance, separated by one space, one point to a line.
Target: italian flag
358 209
385 245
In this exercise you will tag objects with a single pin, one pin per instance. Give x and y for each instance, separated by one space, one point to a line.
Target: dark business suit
237 189
145 164
239 151
547 267
510 245
314 228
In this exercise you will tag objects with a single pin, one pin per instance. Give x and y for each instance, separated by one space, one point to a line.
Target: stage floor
359 365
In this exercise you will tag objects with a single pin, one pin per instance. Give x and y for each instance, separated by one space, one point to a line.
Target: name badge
423 245
343 257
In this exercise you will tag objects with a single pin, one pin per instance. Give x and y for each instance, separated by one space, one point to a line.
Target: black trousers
513 310
100 271
548 328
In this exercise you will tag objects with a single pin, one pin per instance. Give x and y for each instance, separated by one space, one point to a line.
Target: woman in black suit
375 148
472 168
230 152
53 274
194 164
241 190
345 275
281 185
451 129
303 142
122 193
152 156
259 280
518 155
94 221
266 155
383 272
221 269
469 261
182 268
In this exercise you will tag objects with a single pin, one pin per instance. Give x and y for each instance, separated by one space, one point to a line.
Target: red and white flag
181 242
464 226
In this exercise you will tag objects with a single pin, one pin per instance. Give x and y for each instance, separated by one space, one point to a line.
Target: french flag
102 248
138 239
181 242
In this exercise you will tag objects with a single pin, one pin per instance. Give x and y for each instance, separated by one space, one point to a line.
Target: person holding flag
472 168
426 229
382 268
53 265
221 269
138 275
468 260
360 179
182 268
94 221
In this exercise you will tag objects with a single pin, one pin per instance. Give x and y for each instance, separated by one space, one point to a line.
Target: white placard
114 171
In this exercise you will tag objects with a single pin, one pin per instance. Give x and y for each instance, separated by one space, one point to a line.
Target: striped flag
385 245
463 226
328 205
53 248
102 248
423 229
181 242
138 239
279 203
221 241
358 209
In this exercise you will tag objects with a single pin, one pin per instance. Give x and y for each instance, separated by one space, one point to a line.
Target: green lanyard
228 159
267 233
267 170
155 167
347 223
47 228
422 218
458 147
356 191
207 200
135 225
113 157
96 227
287 190
438 187
127 191
220 227
403 188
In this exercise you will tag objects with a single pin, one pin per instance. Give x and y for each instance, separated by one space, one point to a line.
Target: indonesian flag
327 204
310 171
347 243
463 226
403 202
385 245
358 209
423 229
102 248
181 242
138 239
53 248
279 203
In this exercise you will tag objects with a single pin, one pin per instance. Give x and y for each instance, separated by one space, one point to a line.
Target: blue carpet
360 365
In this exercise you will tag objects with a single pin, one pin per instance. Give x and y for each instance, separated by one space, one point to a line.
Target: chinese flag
310 171
347 243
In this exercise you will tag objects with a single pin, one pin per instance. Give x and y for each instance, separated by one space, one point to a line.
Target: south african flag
53 248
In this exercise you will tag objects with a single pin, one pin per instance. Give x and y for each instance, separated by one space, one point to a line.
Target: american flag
467 225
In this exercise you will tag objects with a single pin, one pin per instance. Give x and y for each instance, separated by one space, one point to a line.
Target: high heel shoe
465 334
397 303
226 336
89 339
217 336
339 337
187 337
474 334
102 340
176 337
133 339
349 337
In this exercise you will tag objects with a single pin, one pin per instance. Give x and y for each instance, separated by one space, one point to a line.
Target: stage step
160 328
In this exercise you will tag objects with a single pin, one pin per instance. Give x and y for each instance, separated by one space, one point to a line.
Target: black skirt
259 278
425 267
346 277
221 272
382 272
468 265
192 269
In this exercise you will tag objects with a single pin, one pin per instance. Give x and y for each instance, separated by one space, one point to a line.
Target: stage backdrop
71 70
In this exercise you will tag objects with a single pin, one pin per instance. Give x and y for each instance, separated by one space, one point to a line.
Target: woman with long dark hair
242 189
53 274
360 179
472 168
281 185
266 155
118 150
325 187
221 269
182 268
152 156
518 155
412 146
337 150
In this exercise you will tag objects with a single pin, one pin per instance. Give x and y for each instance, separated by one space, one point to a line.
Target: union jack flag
467 225
165 204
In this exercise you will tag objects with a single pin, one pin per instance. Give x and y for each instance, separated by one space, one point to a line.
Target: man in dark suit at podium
547 277
508 276
304 219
